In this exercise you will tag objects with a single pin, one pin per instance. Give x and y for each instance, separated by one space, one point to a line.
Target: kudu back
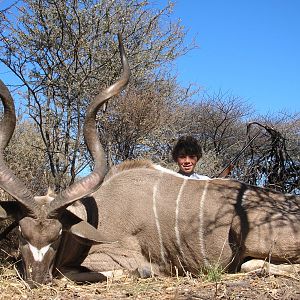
149 220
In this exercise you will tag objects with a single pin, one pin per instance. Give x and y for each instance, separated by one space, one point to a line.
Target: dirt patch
237 286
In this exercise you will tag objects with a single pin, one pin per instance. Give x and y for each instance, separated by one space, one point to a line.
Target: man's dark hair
187 145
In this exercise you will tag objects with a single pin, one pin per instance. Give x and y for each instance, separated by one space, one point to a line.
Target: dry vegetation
213 285
234 286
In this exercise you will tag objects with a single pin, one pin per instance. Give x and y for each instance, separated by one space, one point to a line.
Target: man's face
187 163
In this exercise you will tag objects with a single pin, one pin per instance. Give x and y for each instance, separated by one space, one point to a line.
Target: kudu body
148 218
169 224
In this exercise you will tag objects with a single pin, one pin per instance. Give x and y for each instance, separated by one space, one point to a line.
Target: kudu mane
129 165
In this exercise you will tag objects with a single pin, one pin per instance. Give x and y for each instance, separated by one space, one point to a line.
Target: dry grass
238 286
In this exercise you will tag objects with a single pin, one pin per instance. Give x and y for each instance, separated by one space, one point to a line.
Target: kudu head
43 219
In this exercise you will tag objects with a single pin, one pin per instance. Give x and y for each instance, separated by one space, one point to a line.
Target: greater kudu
148 218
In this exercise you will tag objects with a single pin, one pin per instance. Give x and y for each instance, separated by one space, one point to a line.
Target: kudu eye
56 237
59 234
21 233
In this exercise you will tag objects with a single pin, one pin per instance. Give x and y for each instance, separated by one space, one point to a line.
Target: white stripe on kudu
38 254
155 191
177 215
201 225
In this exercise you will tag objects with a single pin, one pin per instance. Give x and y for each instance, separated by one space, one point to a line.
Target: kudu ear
82 230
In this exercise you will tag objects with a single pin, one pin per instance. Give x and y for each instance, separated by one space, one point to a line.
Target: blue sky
249 48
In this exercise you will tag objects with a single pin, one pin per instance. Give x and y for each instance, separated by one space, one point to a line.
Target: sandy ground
228 286
236 286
